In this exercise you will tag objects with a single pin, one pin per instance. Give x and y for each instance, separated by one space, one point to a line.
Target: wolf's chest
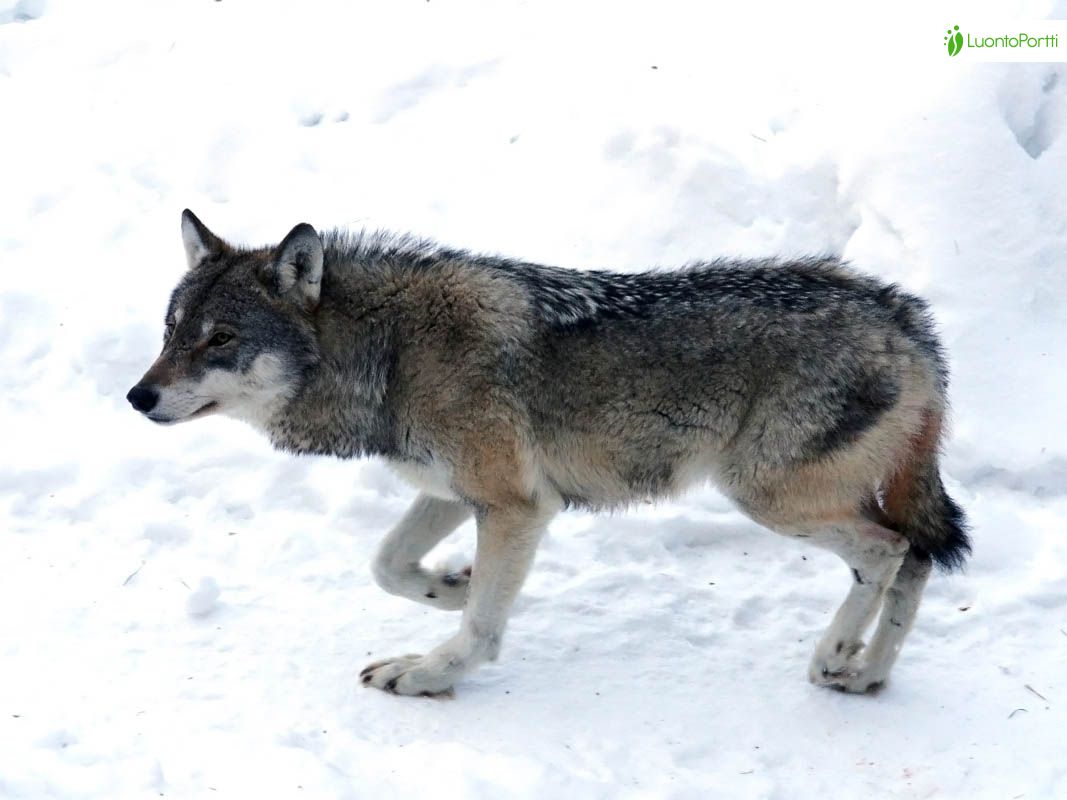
434 478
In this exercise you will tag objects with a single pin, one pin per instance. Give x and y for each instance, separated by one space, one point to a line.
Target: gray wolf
812 396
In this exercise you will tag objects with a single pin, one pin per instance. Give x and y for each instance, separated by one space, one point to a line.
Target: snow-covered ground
183 612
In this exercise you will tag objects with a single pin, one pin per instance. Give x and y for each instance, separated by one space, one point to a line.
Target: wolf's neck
325 419
348 404
343 408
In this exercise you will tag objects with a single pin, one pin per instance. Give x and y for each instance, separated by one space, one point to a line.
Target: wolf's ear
296 269
198 240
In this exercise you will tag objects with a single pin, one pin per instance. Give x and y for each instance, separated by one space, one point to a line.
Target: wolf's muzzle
143 398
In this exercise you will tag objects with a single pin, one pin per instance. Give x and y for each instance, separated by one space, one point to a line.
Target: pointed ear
296 269
198 240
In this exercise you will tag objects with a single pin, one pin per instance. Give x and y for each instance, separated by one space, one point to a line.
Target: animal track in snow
408 94
751 611
23 11
1034 107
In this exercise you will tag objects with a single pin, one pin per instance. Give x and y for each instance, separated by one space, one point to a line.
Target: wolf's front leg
397 567
507 541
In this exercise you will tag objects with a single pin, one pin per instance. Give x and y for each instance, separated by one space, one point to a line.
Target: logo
954 40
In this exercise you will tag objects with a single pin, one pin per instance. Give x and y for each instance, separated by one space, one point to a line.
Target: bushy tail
916 502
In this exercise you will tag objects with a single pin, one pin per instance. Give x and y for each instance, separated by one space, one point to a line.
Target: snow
185 611
203 599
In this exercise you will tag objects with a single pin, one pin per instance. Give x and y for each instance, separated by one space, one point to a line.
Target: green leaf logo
954 40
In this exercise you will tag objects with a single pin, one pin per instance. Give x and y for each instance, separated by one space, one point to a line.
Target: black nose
142 398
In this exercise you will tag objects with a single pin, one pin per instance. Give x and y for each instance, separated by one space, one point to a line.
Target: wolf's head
238 336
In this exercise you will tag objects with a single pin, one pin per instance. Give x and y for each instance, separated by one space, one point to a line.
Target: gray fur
811 395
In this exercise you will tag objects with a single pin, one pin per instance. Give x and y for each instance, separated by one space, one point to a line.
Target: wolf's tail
916 502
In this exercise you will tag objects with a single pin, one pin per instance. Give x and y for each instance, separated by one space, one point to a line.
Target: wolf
812 396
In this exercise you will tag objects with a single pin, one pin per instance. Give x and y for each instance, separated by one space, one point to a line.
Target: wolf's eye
168 329
219 339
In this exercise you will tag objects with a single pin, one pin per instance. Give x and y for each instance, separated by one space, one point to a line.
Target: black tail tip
949 551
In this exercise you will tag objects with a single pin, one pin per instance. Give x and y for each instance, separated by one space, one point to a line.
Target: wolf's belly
597 478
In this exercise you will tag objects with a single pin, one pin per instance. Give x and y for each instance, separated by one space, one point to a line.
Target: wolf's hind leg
874 553
898 613
397 567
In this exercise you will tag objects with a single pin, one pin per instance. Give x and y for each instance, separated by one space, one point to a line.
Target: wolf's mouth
203 411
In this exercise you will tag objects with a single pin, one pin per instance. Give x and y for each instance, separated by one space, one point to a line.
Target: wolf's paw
448 590
409 675
848 675
437 588
833 658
